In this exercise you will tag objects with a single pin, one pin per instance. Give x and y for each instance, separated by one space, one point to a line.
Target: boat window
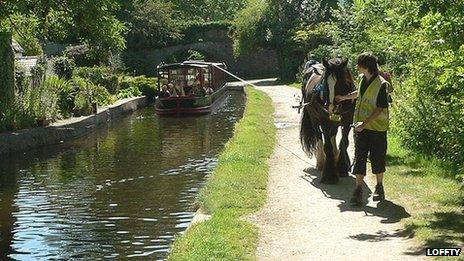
177 76
191 77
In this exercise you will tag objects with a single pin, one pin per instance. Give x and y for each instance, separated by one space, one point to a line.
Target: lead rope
267 134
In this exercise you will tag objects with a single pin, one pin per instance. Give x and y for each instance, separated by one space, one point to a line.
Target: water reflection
124 191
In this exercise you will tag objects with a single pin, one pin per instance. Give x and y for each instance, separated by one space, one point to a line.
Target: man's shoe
356 199
379 193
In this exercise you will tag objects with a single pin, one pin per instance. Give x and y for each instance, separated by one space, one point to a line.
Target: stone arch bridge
259 63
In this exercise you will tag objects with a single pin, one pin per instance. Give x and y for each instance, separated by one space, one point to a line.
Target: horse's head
337 75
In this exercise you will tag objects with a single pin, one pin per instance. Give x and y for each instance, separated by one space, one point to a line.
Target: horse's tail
308 133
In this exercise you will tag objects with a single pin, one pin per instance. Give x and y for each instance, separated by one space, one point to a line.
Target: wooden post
7 80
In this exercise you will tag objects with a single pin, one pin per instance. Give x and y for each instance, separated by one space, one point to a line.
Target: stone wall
67 129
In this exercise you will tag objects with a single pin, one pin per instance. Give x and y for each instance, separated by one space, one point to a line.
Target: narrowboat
190 87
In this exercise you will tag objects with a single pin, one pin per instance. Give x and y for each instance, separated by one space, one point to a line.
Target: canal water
123 192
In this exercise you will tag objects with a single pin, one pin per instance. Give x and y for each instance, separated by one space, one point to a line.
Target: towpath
306 220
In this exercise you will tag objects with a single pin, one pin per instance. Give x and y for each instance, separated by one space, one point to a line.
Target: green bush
66 93
15 116
100 76
101 96
132 91
34 103
44 99
37 103
146 86
63 67
88 93
83 98
21 80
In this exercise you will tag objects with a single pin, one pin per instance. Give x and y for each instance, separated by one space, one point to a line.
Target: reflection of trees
183 138
68 175
8 190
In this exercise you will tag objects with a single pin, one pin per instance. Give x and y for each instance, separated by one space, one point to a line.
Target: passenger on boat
188 90
200 77
172 90
208 90
198 91
179 89
164 92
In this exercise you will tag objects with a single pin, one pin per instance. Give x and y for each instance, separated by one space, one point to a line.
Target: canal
124 191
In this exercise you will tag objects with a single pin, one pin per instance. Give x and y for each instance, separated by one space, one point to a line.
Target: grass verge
296 85
236 188
433 199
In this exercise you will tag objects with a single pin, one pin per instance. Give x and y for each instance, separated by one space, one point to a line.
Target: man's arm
350 96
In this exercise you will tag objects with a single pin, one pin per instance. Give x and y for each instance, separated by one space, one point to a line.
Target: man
371 125
164 91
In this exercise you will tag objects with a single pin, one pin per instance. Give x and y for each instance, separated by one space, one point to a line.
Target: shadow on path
388 210
383 235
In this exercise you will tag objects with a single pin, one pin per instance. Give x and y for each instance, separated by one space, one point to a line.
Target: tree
249 33
91 22
207 10
25 30
278 24
151 24
6 71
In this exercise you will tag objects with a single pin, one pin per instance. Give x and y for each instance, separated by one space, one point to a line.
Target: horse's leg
329 174
320 156
333 140
344 163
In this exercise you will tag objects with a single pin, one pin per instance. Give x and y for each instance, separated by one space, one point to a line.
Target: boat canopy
189 64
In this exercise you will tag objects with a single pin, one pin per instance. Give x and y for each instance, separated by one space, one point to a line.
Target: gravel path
306 220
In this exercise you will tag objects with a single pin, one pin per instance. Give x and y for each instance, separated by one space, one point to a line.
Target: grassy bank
425 187
296 85
236 188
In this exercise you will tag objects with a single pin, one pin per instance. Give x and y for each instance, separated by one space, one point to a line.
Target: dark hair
369 61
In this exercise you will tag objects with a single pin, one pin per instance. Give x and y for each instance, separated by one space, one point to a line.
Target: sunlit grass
425 188
237 187
296 85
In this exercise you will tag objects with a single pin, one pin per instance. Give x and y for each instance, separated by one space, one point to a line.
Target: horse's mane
338 68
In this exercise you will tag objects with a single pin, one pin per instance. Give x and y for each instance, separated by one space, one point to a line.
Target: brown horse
321 118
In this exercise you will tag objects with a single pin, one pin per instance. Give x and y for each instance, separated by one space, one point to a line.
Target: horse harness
335 113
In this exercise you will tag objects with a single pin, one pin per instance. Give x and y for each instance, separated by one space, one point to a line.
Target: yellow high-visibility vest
367 103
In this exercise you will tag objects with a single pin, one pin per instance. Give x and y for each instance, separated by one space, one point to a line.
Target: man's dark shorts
373 143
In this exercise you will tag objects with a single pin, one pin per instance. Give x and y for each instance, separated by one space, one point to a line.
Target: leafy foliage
100 76
137 86
151 24
26 31
278 25
90 22
247 32
421 43
63 67
207 10
7 80
132 91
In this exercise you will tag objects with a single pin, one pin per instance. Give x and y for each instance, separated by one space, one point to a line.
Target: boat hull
189 105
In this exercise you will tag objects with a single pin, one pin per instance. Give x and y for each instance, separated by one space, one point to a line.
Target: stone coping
67 129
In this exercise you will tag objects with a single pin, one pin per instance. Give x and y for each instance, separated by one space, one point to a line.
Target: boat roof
189 64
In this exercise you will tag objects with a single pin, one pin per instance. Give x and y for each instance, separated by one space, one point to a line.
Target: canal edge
67 129
238 188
